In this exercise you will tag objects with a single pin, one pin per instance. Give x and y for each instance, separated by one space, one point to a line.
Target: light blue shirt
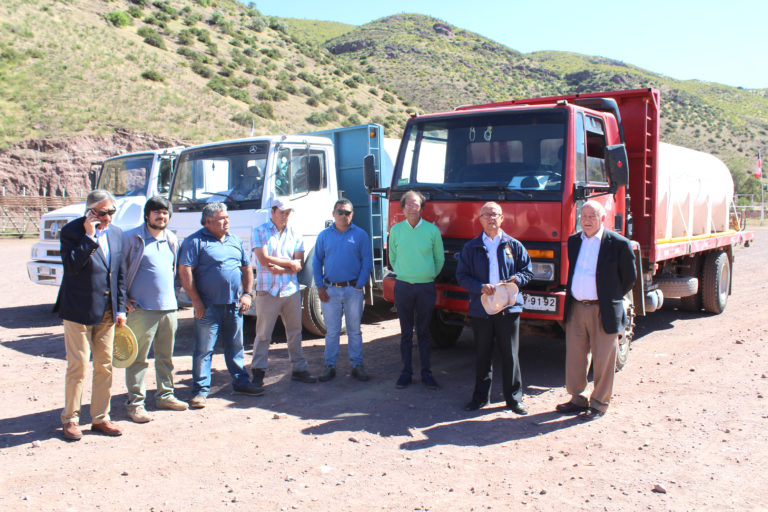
152 287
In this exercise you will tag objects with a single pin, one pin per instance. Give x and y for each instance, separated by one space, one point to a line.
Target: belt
340 284
588 302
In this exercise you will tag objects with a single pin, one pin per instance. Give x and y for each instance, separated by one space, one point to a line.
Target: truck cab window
164 177
596 172
581 150
292 172
126 176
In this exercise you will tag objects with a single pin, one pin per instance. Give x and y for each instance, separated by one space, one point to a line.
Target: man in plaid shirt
279 255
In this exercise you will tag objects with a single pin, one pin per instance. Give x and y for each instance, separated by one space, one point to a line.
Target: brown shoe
72 431
107 428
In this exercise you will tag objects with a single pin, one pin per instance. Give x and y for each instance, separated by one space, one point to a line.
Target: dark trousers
497 330
415 303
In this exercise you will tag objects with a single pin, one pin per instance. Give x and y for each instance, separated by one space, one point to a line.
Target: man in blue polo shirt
215 271
342 265
150 262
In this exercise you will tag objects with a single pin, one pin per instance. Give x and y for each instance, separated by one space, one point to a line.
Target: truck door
591 171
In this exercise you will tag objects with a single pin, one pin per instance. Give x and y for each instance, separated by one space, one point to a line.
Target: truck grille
52 228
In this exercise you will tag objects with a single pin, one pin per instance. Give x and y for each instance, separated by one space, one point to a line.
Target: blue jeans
349 301
224 320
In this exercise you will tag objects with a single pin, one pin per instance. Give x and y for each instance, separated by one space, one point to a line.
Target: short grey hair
98 195
491 204
596 206
210 209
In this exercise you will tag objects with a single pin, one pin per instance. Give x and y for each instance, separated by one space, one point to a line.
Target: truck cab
131 178
309 171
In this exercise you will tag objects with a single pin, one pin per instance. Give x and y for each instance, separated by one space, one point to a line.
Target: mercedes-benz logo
53 229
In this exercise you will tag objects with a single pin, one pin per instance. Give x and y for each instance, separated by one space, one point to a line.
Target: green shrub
243 119
258 24
119 18
272 53
312 101
350 83
218 84
185 37
316 118
192 18
387 98
239 94
277 25
264 110
201 69
272 95
151 37
287 87
153 75
135 11
373 91
310 78
166 9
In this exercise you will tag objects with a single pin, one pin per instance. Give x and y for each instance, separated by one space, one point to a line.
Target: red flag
759 166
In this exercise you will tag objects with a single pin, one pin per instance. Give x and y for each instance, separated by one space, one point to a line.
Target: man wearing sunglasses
91 303
342 265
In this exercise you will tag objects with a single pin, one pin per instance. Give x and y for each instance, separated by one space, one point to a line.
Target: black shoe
474 405
304 376
328 373
258 377
570 408
429 381
250 390
359 373
591 414
517 408
404 381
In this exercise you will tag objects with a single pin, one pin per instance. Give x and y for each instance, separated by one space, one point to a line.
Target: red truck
540 159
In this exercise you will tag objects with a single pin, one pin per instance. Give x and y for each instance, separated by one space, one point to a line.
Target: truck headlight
543 271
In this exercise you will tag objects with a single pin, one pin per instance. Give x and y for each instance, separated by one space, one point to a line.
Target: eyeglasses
101 213
491 215
414 205
346 213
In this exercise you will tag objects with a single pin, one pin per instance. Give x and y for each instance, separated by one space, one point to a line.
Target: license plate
539 303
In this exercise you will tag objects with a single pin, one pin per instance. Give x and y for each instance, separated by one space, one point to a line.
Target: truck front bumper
45 273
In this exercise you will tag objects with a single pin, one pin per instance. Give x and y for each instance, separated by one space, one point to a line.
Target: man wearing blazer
91 302
601 271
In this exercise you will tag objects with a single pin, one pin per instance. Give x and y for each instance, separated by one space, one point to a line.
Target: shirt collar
417 224
598 235
497 238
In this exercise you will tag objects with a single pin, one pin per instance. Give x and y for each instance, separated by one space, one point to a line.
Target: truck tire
312 314
693 302
444 335
716 281
625 336
678 286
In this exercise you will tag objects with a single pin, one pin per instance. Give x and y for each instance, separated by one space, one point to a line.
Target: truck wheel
625 337
678 286
716 277
312 314
693 302
443 335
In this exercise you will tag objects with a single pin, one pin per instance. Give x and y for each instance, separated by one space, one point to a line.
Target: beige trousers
82 340
585 336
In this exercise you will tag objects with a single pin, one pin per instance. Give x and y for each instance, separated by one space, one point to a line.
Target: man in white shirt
601 272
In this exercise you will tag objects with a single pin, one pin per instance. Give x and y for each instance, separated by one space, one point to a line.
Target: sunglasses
346 213
101 213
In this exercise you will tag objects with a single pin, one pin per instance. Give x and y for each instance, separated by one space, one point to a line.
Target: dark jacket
615 275
88 284
473 270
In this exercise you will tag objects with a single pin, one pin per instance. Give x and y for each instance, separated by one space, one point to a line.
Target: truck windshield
126 176
233 174
510 151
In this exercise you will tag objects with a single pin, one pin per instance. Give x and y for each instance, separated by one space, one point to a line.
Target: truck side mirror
315 173
618 164
369 172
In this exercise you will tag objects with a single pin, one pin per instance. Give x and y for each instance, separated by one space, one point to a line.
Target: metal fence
20 215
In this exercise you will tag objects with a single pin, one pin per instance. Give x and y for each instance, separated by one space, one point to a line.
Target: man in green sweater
416 255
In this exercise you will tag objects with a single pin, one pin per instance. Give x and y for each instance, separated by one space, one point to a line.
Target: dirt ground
687 429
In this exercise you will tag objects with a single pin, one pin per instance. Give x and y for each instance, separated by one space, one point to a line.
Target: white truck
131 178
311 171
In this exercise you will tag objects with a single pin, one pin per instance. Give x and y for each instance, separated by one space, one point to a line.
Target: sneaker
404 381
197 402
258 377
429 381
304 376
139 415
359 373
250 390
329 372
171 403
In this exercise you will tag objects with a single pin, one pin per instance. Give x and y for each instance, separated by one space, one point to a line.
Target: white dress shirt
584 286
492 246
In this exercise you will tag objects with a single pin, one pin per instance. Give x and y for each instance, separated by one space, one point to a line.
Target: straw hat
503 297
125 348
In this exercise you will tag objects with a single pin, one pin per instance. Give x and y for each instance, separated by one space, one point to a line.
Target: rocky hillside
200 70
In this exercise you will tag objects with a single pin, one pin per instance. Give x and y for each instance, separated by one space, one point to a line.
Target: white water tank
694 193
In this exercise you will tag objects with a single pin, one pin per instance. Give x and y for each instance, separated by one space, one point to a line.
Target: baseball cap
281 204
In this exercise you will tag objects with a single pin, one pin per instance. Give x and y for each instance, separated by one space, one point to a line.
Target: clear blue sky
724 42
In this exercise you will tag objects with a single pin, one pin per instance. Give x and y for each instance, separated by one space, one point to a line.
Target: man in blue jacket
487 261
